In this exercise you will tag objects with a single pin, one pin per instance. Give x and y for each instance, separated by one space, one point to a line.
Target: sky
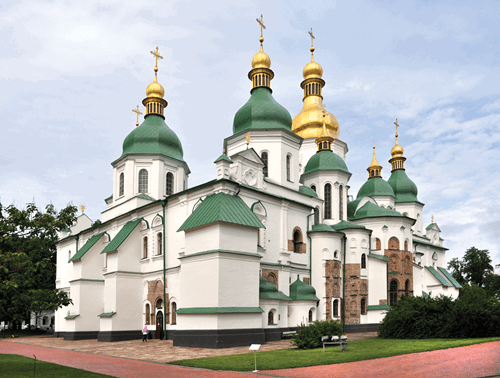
72 71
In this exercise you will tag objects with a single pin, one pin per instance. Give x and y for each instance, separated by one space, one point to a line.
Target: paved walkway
473 361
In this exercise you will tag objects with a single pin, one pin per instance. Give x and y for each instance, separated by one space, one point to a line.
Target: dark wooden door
159 324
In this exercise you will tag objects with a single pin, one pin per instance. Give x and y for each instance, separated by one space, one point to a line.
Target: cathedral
275 240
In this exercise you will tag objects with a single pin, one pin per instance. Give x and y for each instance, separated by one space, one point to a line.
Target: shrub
309 336
473 314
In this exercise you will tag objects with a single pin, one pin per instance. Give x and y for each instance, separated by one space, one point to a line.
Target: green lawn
22 333
13 366
356 351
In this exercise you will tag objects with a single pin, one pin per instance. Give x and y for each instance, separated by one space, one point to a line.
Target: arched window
313 187
148 314
145 247
159 303
378 244
393 292
341 202
122 185
288 167
297 241
363 261
316 215
406 245
270 317
328 201
407 288
310 316
265 159
170 183
174 315
271 277
160 243
143 181
393 243
336 308
363 306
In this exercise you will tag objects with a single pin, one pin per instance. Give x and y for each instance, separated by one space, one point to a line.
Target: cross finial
137 112
157 55
248 140
261 23
83 208
432 219
312 44
397 125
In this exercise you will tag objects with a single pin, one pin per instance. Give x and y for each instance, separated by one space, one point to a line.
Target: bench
289 334
335 341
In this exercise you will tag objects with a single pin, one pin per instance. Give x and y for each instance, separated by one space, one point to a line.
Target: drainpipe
310 250
343 287
163 204
76 240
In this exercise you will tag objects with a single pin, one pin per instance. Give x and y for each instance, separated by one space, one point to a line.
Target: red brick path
472 361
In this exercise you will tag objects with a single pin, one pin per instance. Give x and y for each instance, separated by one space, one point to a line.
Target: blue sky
73 71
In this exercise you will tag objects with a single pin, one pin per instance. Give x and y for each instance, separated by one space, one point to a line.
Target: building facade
273 241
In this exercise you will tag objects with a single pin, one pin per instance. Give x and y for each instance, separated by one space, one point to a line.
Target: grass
14 366
21 333
356 351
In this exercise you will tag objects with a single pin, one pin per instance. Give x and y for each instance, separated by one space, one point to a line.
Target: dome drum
261 77
313 86
155 105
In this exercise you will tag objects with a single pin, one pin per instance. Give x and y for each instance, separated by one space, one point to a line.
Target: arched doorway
159 325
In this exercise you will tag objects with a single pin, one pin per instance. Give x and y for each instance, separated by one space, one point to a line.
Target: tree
28 260
474 269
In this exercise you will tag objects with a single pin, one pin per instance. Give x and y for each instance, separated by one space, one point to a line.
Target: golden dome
312 70
309 122
397 150
155 89
261 60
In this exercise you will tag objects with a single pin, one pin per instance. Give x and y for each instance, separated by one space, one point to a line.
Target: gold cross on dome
83 208
397 125
137 112
157 55
261 23
312 37
248 140
432 219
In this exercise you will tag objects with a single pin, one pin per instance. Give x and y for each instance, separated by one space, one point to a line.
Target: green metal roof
404 189
320 227
223 157
121 236
300 291
375 186
378 307
429 244
261 112
439 277
89 244
106 314
153 137
268 290
432 225
146 197
370 210
325 160
71 316
379 257
425 295
221 207
345 225
450 277
307 190
219 310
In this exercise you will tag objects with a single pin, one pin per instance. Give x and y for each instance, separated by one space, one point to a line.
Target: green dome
345 225
404 189
370 210
261 112
320 227
153 137
375 186
268 290
300 291
307 190
325 160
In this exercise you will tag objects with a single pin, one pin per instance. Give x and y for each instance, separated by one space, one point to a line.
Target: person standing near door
145 334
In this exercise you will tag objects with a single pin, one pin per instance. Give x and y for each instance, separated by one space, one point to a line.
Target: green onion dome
325 160
268 290
261 112
300 291
370 210
404 189
153 137
307 190
375 186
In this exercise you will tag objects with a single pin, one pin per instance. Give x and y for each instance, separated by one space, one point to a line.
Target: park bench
289 334
335 341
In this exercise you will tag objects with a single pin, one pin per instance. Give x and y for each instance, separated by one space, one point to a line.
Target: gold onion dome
261 59
155 89
375 168
397 150
309 122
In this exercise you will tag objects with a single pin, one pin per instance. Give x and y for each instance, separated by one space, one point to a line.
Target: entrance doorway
159 325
